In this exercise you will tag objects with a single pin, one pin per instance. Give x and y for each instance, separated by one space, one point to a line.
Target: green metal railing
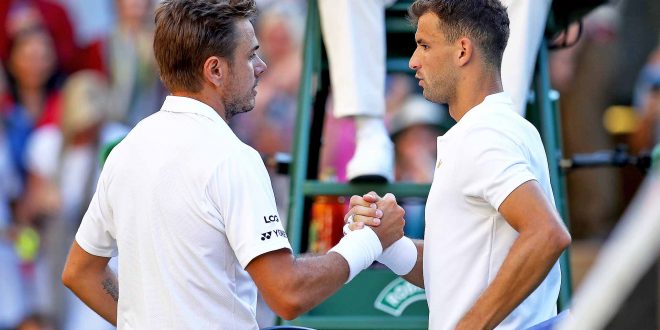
546 107
306 94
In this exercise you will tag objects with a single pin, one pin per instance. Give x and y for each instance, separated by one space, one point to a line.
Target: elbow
289 306
68 277
566 240
289 315
291 310
560 239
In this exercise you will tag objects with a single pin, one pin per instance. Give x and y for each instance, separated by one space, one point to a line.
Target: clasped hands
383 215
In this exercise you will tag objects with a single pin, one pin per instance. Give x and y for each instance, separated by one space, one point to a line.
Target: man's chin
439 99
429 97
234 110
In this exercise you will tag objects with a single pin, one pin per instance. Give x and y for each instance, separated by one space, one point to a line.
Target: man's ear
465 51
215 70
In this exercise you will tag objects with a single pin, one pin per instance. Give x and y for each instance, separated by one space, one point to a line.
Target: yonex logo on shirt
276 232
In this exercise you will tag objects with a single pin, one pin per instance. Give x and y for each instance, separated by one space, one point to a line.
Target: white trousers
527 24
354 36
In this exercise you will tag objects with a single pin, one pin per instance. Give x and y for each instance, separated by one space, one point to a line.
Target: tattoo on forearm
111 288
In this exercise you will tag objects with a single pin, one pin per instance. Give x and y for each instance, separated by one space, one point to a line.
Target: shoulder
243 156
501 123
488 143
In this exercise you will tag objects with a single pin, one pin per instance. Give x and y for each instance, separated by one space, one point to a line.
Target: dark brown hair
190 31
484 21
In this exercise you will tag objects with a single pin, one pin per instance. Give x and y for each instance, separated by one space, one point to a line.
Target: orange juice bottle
327 220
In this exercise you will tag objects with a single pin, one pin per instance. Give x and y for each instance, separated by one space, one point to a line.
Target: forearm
99 291
416 275
530 259
309 272
301 283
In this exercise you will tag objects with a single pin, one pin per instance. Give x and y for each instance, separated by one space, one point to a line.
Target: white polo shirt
186 206
491 151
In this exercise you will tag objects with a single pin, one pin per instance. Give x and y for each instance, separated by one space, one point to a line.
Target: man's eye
253 55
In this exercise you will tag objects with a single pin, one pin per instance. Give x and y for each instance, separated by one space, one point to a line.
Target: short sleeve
244 196
95 234
496 164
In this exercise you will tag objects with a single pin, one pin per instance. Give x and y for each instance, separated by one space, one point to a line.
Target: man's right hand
404 257
389 228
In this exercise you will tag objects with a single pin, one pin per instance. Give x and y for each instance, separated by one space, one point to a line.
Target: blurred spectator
32 99
62 159
12 304
415 128
63 167
647 101
130 64
17 15
269 128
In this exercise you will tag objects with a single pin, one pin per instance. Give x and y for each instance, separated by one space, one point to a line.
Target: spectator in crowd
270 128
63 166
16 15
32 99
415 128
130 65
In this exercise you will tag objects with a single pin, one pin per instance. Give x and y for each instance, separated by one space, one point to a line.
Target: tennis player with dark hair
493 236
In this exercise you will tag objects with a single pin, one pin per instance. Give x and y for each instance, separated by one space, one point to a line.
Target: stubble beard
234 107
241 104
442 91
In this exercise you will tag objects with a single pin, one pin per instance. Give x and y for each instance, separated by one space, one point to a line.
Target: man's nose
260 67
414 63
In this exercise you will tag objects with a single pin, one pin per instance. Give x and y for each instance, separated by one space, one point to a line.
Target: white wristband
400 257
360 248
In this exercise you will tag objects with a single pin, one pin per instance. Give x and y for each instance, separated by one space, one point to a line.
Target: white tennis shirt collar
189 105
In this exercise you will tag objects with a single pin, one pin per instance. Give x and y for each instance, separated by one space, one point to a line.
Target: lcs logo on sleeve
271 218
277 233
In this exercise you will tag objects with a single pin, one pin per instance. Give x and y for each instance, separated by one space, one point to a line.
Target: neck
471 92
31 96
207 98
30 92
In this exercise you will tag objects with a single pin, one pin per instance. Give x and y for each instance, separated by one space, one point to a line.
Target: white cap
416 110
